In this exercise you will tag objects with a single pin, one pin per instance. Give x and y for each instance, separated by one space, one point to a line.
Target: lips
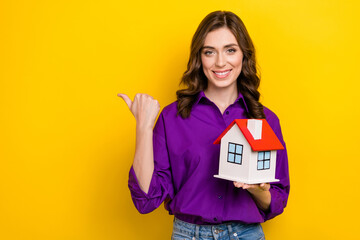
222 74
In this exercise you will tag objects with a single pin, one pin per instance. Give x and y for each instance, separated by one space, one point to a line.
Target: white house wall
262 175
226 168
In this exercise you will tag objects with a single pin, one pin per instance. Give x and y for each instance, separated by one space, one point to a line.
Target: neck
222 97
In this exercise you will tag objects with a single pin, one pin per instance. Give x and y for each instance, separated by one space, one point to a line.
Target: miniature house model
248 152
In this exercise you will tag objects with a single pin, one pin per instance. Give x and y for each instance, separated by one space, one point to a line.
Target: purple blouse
185 161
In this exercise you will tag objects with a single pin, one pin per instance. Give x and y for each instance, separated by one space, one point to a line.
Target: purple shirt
186 160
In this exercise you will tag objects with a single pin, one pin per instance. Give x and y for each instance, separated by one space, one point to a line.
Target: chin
224 84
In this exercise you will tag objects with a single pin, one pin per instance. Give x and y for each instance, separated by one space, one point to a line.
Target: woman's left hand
260 193
253 188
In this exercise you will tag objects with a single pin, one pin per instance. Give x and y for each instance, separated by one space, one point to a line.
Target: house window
235 153
263 160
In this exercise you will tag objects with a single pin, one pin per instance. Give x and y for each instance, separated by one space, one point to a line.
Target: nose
220 60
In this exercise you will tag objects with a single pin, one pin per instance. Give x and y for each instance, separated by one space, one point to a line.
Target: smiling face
221 58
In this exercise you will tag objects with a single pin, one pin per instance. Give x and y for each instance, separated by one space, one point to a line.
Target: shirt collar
199 96
240 98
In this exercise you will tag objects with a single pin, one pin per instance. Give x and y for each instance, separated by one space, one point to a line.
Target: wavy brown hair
194 78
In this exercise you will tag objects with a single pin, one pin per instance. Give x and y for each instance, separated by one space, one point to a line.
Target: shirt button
220 197
227 112
193 238
235 234
215 219
216 231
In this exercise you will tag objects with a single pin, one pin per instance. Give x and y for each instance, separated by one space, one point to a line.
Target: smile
222 74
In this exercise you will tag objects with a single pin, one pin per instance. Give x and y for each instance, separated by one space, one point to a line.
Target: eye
231 50
207 52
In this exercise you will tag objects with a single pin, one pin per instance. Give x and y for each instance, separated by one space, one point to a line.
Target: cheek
236 60
206 63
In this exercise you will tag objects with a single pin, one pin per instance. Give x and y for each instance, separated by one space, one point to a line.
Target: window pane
261 156
231 157
239 149
267 164
267 155
260 165
231 147
238 159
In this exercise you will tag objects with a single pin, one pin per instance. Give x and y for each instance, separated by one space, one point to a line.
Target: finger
265 186
238 184
157 103
147 96
126 99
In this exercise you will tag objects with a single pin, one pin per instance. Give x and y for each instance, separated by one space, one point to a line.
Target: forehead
220 37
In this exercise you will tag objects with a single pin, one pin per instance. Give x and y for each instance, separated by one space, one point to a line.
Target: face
221 58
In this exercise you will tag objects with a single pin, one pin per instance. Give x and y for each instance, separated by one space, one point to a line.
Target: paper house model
248 152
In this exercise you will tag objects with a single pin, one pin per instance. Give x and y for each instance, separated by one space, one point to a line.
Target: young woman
175 162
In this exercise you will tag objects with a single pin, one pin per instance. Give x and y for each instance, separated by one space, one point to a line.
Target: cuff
134 186
137 192
276 205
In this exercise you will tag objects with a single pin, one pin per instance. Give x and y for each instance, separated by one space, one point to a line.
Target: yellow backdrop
67 140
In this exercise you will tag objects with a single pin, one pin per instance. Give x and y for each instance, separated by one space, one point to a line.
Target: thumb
126 99
265 186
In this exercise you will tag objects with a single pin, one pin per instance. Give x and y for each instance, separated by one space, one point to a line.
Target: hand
259 192
144 108
253 188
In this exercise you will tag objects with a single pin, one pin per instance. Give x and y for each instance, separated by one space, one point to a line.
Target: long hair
194 78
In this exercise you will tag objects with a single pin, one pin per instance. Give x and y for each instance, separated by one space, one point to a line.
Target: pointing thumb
126 99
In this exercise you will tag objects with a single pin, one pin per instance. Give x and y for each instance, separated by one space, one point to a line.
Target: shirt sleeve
279 190
161 187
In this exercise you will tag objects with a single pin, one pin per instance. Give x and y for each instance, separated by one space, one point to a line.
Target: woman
176 161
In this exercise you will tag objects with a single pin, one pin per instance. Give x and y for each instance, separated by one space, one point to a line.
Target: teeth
222 73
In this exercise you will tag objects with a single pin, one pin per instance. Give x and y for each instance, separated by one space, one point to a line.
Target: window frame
263 160
235 153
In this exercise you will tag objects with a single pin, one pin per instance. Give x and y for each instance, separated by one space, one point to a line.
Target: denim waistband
206 230
231 230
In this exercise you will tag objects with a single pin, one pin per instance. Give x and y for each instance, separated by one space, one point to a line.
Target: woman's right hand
144 108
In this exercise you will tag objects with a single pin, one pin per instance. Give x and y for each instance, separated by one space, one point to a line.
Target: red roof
268 141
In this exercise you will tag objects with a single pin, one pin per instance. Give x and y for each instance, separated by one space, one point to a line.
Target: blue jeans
228 231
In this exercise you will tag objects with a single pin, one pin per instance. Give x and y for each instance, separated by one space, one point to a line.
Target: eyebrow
226 46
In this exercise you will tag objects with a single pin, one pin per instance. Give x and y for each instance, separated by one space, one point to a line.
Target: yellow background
67 140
